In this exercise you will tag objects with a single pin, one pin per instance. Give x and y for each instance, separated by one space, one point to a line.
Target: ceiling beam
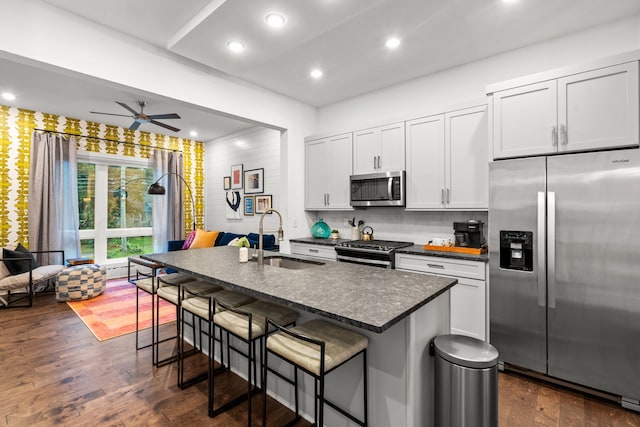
183 31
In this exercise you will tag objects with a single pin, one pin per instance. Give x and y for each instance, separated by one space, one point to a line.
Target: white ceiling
345 38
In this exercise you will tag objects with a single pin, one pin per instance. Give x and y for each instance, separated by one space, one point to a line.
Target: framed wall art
248 205
254 181
236 176
227 183
263 203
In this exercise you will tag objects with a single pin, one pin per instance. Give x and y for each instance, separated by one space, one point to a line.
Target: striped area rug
113 313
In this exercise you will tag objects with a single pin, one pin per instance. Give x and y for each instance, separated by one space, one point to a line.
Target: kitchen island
399 312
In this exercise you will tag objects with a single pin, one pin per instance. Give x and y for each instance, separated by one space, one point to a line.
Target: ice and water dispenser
516 250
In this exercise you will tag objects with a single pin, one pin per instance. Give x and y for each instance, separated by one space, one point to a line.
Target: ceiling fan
140 117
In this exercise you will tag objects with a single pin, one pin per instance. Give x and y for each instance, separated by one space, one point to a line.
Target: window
115 209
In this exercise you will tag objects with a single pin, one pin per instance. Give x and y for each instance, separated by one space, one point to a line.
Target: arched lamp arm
157 188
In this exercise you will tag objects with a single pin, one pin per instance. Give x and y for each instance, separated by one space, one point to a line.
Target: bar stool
317 348
247 323
169 290
174 280
201 304
145 281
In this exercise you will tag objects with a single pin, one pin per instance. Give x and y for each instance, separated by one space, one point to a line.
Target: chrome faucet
261 234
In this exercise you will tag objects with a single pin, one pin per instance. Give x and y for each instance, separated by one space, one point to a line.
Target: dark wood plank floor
54 372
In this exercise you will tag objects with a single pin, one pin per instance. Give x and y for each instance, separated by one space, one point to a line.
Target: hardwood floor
54 372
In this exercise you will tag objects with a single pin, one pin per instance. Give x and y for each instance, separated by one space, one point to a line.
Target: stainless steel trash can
466 382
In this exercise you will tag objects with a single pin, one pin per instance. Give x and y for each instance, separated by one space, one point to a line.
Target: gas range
379 253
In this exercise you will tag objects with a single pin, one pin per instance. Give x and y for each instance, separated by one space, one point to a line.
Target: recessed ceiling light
316 73
235 46
193 133
275 19
8 96
392 42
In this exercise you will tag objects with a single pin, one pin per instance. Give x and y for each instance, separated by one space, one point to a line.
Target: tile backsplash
397 224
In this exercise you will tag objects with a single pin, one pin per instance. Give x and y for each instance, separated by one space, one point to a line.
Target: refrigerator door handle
542 208
551 247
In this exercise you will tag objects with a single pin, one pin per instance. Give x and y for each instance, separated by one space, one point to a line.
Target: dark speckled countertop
366 297
419 250
318 241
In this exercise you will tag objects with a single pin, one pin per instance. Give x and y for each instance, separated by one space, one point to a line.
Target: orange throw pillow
204 239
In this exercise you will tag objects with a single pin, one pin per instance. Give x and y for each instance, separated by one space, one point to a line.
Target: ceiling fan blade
135 125
164 116
126 107
164 126
111 114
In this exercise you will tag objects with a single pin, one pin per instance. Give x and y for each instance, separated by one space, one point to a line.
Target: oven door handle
363 260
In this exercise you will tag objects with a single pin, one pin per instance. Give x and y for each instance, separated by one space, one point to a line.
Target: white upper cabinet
599 109
379 149
467 159
327 170
582 111
447 160
525 120
425 163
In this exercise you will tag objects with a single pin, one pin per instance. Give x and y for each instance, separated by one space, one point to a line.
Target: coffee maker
469 234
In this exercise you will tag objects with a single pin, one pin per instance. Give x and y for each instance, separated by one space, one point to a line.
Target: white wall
415 98
255 148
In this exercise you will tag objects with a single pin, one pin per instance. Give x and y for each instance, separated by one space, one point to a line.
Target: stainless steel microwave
378 189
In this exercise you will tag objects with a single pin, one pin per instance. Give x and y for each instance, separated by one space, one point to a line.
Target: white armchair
17 290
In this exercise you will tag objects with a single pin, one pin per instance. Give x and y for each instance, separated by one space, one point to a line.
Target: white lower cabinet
468 297
316 251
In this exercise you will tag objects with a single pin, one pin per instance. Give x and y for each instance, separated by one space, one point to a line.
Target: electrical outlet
295 223
345 222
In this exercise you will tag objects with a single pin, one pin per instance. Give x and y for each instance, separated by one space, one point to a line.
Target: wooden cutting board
458 249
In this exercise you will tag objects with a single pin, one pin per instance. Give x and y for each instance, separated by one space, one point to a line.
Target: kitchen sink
289 263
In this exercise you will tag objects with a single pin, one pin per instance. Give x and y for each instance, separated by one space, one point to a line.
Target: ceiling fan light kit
139 117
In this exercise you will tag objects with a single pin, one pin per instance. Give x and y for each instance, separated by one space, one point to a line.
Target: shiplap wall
255 148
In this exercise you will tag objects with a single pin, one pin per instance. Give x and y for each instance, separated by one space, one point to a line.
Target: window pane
86 195
129 205
119 247
86 248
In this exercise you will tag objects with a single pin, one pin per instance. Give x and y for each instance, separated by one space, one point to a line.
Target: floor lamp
157 188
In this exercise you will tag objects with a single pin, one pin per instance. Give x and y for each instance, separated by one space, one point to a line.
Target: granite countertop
318 241
366 297
419 250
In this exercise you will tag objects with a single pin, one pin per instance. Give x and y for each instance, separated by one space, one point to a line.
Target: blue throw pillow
19 266
228 237
268 240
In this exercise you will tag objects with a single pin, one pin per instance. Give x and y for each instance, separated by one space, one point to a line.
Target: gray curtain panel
168 210
53 216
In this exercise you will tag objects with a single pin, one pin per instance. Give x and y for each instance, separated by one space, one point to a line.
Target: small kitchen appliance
378 189
469 233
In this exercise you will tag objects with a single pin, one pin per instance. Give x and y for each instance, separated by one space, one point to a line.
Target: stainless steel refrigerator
564 239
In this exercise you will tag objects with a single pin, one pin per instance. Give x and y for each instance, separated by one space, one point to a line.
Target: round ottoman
80 282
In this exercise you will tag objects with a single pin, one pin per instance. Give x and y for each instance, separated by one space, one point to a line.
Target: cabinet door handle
442 196
328 199
564 139
439 266
448 199
554 136
375 166
379 163
315 251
